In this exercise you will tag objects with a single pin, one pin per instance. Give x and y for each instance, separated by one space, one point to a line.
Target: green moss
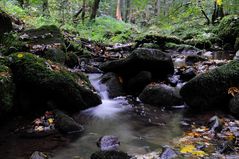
200 43
209 90
51 81
11 43
228 29
180 46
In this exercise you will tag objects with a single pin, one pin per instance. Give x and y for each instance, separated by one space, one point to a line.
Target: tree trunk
95 8
127 13
45 8
158 5
218 11
118 10
83 12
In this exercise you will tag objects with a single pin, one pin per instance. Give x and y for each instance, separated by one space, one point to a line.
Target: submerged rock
110 155
39 81
38 155
160 95
209 90
66 124
168 153
154 61
192 59
108 143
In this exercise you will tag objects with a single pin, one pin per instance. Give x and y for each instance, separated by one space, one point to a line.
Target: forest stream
116 117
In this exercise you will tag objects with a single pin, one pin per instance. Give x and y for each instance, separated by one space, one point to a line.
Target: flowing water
116 117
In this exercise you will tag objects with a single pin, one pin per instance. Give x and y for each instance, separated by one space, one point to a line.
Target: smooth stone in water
38 155
108 143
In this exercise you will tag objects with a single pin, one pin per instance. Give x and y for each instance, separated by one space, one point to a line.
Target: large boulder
210 90
114 86
160 95
228 29
137 83
39 81
7 91
151 60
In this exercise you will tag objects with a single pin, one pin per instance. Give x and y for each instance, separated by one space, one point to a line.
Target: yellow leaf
219 2
192 150
187 149
233 91
20 55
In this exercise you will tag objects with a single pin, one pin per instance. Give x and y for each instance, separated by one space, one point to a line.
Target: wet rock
160 95
236 57
234 104
108 143
71 60
215 124
138 82
114 86
168 153
192 59
154 61
209 90
90 69
188 74
66 124
38 155
39 81
110 155
5 23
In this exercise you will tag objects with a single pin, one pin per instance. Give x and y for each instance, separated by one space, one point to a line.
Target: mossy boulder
154 61
71 60
201 43
56 55
228 29
40 81
44 38
7 90
209 90
160 95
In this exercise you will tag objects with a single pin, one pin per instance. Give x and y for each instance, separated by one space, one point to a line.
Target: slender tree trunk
95 8
118 10
83 12
218 11
21 3
158 5
127 13
45 8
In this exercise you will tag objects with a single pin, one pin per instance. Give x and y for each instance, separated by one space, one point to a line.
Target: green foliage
10 40
108 30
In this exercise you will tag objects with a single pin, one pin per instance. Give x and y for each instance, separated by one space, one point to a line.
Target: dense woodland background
117 16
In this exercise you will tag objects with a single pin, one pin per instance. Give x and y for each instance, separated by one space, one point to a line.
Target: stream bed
116 117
